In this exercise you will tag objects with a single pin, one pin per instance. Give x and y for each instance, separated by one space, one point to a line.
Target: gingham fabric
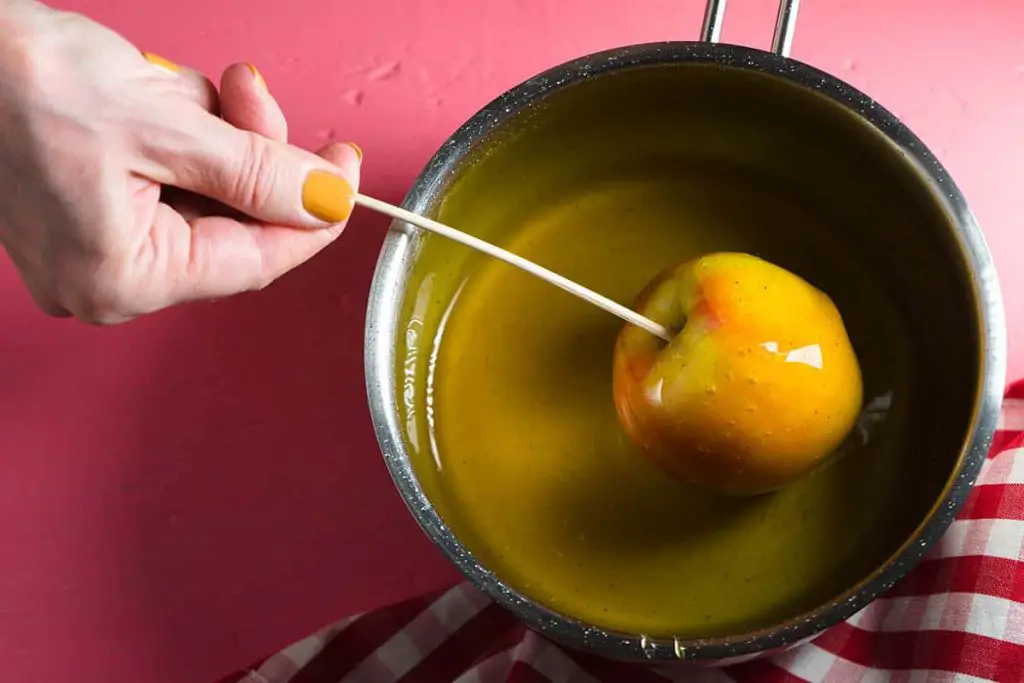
958 616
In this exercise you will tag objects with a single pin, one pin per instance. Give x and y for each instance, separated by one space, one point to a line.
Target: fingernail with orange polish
161 62
358 150
258 77
327 197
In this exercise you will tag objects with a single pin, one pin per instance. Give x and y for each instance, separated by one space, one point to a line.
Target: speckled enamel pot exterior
399 253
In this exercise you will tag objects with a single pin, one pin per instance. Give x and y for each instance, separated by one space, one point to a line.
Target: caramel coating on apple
760 384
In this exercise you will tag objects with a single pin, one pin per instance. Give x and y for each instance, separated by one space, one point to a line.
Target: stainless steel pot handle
785 24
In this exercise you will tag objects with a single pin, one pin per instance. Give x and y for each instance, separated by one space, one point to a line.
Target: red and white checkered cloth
958 616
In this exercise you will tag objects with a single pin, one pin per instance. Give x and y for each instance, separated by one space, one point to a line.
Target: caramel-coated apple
759 385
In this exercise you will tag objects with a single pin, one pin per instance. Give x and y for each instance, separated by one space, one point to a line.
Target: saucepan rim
398 252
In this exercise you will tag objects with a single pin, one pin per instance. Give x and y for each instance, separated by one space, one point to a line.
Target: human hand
130 185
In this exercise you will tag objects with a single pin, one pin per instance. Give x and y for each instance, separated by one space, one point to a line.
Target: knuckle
103 296
42 296
21 66
255 176
34 54
45 301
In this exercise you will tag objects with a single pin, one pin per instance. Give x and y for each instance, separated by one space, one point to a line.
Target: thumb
266 179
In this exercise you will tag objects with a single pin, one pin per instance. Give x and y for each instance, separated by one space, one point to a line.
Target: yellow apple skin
759 386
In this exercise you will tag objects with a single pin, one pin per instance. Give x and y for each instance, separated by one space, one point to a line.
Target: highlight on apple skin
759 385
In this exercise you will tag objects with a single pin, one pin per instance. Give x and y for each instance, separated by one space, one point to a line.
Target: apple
759 384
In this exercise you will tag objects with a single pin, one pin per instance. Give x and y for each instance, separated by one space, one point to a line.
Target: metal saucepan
792 131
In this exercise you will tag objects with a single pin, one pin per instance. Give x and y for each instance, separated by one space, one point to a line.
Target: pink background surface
186 493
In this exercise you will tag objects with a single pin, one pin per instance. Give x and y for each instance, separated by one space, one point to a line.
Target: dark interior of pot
506 381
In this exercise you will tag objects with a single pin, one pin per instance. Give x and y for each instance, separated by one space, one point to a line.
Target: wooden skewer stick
630 316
